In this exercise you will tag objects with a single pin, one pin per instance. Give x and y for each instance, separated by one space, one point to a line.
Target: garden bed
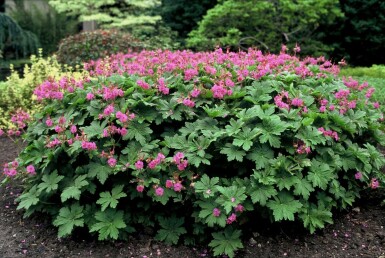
358 232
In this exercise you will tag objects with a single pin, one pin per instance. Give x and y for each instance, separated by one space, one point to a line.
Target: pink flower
195 92
139 188
49 122
239 208
139 164
122 117
58 129
358 175
297 49
216 212
231 218
169 184
374 183
297 102
11 172
324 102
111 162
153 163
90 96
88 145
74 129
352 104
376 105
108 110
1 132
144 85
182 165
331 107
123 131
159 191
62 120
178 187
31 169
322 109
188 103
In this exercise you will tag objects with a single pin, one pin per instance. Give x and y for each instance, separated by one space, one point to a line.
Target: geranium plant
195 144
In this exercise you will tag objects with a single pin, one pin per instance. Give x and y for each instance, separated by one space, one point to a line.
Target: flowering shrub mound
195 145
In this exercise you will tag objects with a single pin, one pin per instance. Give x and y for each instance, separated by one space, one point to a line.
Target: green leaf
320 174
261 155
217 111
207 214
101 172
29 198
284 206
50 182
109 223
303 187
233 152
230 196
74 190
171 229
226 242
310 136
206 186
68 218
261 193
234 127
95 129
315 217
111 199
138 131
245 138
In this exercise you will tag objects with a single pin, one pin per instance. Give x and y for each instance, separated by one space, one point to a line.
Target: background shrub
199 145
85 46
36 19
16 91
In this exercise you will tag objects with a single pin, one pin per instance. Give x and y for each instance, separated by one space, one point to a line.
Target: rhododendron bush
197 145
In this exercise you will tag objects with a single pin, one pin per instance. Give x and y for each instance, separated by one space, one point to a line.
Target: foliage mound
92 45
375 71
16 93
198 145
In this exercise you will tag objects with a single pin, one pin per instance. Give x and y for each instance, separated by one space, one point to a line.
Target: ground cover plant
198 145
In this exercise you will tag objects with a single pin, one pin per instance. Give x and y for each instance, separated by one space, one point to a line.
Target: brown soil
358 232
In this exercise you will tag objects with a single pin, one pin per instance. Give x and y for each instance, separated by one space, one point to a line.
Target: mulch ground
358 232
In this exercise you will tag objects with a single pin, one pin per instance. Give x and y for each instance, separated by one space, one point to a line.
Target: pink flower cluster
144 85
89 145
188 102
10 169
55 142
216 212
139 164
177 186
329 133
31 170
180 161
111 93
302 149
155 162
279 100
231 218
20 118
374 184
162 87
50 89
